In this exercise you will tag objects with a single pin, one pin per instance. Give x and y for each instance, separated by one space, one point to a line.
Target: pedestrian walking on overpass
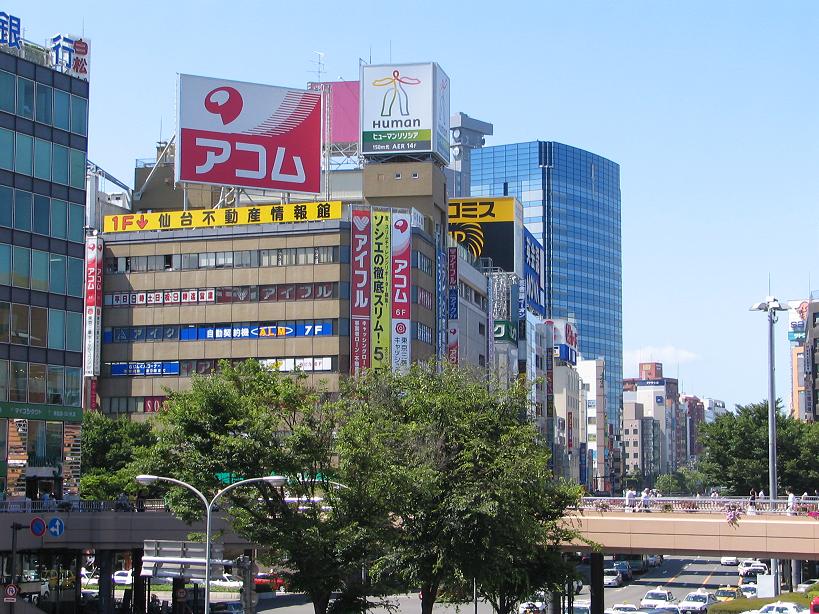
752 503
791 503
645 503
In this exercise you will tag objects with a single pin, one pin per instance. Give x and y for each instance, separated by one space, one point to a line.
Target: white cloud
669 355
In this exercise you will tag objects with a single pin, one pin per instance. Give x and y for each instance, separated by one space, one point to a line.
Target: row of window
132 405
41 327
286 256
232 294
231 330
23 382
468 293
187 368
42 159
43 103
41 215
30 268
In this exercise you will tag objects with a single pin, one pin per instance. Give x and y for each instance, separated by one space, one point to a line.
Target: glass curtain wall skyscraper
571 200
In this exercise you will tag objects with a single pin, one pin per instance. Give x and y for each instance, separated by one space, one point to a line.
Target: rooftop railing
802 506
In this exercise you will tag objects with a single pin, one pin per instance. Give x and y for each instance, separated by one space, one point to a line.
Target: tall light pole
273 480
771 305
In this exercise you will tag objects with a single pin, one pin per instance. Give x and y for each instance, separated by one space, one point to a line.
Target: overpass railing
803 506
23 505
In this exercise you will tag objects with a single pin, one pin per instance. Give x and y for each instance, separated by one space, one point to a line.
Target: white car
536 605
752 566
749 590
581 607
123 576
729 560
612 577
657 598
697 602
654 560
621 608
88 579
779 607
226 581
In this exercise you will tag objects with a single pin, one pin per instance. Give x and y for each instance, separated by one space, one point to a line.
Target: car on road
612 577
749 590
123 576
581 607
654 560
752 566
697 602
729 560
779 607
728 593
266 582
536 604
621 608
657 598
624 567
227 581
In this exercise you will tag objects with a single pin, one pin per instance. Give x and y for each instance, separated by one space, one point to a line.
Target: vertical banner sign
360 302
452 305
569 430
440 305
490 326
381 283
93 306
401 251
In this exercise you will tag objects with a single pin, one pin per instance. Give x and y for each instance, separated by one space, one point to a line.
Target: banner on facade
381 312
361 287
92 307
401 249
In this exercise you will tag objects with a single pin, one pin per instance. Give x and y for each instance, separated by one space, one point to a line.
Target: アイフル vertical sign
360 301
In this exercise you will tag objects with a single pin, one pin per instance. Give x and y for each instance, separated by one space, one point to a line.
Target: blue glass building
571 200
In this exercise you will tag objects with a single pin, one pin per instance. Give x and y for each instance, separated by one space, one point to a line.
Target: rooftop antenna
319 62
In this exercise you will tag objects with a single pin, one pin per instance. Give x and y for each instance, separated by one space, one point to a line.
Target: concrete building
695 416
43 147
810 362
713 409
641 443
567 421
659 397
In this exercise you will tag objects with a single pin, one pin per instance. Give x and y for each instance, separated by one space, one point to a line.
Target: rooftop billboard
487 228
404 109
248 135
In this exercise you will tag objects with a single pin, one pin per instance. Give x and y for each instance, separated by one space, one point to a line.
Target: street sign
56 527
37 526
10 593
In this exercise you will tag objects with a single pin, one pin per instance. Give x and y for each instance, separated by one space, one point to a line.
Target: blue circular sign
37 526
56 527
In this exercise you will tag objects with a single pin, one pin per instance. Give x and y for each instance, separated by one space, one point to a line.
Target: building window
44 102
59 164
21 267
42 215
73 331
59 219
4 322
24 154
25 98
36 383
79 115
76 169
62 110
18 386
7 91
55 384
56 329
57 274
6 148
39 327
19 324
42 159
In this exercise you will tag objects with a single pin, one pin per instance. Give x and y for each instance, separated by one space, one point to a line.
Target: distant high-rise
571 200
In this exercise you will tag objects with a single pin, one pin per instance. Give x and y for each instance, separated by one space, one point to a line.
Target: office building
694 416
571 201
43 147
599 435
714 408
810 362
641 443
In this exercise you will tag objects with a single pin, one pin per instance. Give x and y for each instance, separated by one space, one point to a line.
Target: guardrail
80 505
807 506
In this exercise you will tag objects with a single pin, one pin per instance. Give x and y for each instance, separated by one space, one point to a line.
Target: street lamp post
274 480
771 305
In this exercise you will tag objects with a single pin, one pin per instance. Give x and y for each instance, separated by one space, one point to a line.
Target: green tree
667 484
248 421
735 454
691 480
109 448
465 483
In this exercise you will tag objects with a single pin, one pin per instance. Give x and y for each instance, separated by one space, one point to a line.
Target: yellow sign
482 210
381 310
216 218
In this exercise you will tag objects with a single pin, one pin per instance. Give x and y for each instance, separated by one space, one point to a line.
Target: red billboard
360 301
93 306
345 111
248 135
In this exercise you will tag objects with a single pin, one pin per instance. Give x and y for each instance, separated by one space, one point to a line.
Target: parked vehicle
227 607
749 590
729 560
612 577
779 607
621 608
657 598
752 566
654 560
226 581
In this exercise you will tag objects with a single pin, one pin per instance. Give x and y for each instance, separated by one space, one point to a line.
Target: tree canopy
108 449
465 482
735 455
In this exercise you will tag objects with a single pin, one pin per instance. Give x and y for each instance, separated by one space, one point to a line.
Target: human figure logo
395 91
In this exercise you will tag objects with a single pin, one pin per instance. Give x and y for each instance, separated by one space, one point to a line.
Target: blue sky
709 107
